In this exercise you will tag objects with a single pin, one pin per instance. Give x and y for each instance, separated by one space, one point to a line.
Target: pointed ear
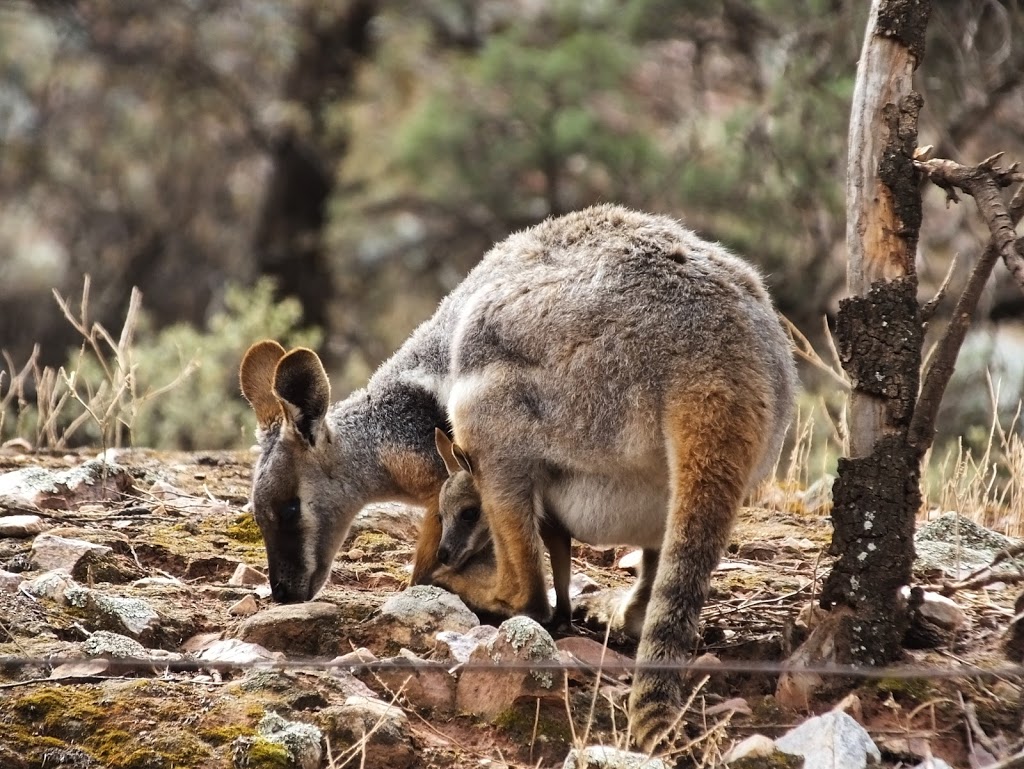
462 458
256 375
301 383
444 448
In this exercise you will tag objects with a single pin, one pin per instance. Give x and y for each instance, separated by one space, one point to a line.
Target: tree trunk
879 333
289 236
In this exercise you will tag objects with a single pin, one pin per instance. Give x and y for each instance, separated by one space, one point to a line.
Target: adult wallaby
633 376
465 534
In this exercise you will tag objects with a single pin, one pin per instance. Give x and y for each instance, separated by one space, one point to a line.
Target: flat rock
754 746
413 617
834 740
311 629
105 643
234 651
519 640
596 655
384 727
9 581
92 481
50 585
603 757
244 607
50 552
20 526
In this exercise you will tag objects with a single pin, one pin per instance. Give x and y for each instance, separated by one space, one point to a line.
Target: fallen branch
985 575
983 182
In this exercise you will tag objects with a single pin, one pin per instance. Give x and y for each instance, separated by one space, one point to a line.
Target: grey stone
312 629
754 746
834 740
424 684
103 642
603 757
453 646
92 481
50 585
233 650
51 552
9 581
130 616
246 576
956 545
414 616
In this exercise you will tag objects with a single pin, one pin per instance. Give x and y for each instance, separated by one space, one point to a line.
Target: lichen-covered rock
103 642
301 740
603 757
50 585
413 617
520 642
453 646
128 616
92 481
954 546
372 731
233 650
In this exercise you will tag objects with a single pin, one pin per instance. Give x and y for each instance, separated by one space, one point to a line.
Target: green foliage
206 410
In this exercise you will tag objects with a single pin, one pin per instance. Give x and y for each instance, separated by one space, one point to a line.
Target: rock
755 746
97 565
424 684
953 545
312 629
731 705
92 481
244 607
105 643
301 740
603 757
50 585
20 526
397 520
452 646
833 739
9 581
596 655
817 498
933 763
413 617
631 561
758 551
519 640
383 727
80 669
233 650
211 568
357 658
246 576
933 619
50 552
129 616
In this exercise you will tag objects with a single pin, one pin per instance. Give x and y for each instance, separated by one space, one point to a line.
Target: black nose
282 593
443 555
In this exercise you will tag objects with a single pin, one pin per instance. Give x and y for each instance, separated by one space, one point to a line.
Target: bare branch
929 307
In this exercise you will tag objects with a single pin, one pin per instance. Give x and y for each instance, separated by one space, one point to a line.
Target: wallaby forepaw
601 610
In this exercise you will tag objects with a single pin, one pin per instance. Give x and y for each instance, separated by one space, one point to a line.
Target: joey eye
290 510
470 514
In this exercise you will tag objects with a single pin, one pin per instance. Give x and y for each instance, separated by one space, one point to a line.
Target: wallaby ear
256 375
462 458
301 383
444 448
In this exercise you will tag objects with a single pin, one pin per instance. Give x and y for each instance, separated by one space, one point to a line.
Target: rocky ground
136 632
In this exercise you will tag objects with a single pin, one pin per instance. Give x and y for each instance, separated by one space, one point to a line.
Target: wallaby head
296 482
463 531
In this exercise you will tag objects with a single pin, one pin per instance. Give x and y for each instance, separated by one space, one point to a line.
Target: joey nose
443 555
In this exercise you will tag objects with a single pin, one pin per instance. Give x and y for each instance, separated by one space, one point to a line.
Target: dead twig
985 575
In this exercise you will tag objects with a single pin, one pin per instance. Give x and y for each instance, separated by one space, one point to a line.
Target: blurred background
324 171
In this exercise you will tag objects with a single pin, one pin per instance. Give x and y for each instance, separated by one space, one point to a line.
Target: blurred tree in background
365 153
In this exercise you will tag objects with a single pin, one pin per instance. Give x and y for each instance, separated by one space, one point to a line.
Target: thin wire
9 663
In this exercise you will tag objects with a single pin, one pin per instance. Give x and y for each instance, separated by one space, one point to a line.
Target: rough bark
878 331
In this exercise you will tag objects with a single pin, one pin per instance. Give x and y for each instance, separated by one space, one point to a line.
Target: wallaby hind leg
629 617
713 440
559 546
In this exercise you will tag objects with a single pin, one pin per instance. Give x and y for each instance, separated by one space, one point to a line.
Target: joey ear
462 458
256 375
444 448
302 386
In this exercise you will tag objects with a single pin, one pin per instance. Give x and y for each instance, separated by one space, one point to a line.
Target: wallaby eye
470 514
290 509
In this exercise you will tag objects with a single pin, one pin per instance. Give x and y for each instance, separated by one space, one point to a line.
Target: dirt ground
183 518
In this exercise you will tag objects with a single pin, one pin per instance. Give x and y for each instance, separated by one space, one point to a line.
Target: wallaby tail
713 440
